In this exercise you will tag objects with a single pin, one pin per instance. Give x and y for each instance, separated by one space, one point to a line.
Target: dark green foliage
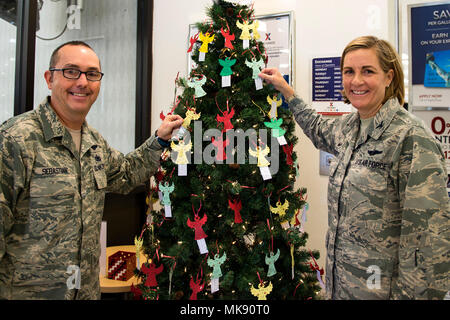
209 187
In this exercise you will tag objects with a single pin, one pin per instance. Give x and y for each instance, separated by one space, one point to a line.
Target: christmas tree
230 223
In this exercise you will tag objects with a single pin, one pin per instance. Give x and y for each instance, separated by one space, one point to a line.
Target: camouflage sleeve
424 248
319 130
12 176
127 172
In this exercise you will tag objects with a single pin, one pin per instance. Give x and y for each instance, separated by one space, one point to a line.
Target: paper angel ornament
275 103
262 292
197 84
256 66
281 209
245 35
254 28
270 261
228 38
181 148
288 149
206 39
190 115
138 244
151 271
226 71
196 288
260 154
217 271
236 206
200 235
221 153
275 125
263 163
166 190
226 119
192 40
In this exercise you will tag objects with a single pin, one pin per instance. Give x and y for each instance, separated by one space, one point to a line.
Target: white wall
323 27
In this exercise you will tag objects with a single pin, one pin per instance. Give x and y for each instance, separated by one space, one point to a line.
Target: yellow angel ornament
280 209
263 163
190 115
274 102
181 148
206 39
262 292
138 243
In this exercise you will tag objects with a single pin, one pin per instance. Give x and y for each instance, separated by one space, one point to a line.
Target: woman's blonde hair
388 59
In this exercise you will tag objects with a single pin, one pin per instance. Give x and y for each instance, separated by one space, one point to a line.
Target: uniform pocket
100 179
51 205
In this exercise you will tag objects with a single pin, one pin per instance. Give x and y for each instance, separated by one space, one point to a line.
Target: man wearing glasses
54 172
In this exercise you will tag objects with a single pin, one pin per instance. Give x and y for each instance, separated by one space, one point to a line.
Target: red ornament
196 288
197 226
220 145
226 119
236 206
151 271
228 38
288 151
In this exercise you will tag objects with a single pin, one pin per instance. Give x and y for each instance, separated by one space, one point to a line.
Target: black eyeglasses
72 74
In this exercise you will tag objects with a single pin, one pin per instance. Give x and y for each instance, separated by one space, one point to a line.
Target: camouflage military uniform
52 199
388 205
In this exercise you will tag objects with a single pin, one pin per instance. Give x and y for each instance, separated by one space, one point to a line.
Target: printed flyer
430 55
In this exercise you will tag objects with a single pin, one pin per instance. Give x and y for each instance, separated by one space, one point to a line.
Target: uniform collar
381 121
53 128
51 125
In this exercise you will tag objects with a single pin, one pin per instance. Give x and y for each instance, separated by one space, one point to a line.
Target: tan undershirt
76 137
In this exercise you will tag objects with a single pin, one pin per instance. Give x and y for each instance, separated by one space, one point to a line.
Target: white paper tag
273 110
281 140
160 195
245 44
202 246
258 83
177 134
265 172
201 56
168 211
214 285
182 170
226 81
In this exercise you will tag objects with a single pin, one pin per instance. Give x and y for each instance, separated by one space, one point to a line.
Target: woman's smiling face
364 81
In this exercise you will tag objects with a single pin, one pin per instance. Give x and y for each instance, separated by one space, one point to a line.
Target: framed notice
429 58
327 87
276 33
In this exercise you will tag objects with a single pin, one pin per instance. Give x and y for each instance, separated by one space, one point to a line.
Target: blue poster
430 44
327 79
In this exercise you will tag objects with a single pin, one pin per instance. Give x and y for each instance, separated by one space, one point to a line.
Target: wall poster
327 86
429 59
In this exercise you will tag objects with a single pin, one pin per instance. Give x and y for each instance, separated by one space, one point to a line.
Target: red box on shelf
121 265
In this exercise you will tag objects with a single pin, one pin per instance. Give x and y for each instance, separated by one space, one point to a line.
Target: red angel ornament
226 119
151 271
221 154
236 206
197 226
196 288
228 38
